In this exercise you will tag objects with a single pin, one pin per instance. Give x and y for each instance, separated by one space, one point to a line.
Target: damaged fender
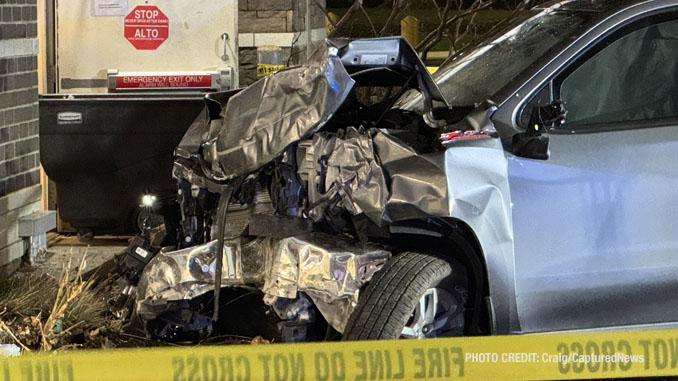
479 195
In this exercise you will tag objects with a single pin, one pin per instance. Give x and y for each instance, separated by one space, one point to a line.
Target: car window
483 69
631 75
480 74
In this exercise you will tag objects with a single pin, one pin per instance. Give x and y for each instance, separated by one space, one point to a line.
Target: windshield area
479 73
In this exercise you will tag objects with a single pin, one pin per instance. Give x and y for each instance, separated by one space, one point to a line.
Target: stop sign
146 27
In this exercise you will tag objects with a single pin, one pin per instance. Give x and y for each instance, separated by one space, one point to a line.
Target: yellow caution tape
526 357
266 69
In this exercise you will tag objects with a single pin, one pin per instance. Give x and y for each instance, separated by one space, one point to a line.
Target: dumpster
105 151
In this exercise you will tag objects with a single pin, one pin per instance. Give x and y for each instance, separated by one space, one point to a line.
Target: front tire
415 295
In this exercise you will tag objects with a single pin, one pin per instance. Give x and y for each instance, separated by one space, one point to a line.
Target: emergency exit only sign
146 27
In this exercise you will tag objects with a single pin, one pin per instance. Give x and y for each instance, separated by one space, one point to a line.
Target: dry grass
44 313
41 312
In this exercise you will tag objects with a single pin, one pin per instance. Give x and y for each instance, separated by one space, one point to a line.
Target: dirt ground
62 247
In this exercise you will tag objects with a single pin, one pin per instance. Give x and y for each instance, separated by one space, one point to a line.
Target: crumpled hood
243 130
258 123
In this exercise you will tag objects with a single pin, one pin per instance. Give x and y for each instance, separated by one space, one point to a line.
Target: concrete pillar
33 230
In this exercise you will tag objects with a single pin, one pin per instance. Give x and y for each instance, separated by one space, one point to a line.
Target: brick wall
270 16
19 157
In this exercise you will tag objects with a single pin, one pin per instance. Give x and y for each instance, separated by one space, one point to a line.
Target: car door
596 225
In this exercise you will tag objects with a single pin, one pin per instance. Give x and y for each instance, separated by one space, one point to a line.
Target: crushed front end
289 190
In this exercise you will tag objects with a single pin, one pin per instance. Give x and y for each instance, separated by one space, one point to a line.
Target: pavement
61 248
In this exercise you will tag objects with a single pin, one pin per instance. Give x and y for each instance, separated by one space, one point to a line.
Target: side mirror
534 142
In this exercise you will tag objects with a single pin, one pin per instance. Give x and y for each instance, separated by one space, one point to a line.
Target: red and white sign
146 27
162 81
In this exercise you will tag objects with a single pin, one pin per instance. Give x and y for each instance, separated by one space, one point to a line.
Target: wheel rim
436 314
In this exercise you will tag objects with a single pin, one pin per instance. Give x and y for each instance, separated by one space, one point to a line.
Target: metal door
596 242
90 40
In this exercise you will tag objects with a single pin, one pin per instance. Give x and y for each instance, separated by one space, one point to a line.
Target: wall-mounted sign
163 81
146 27
109 8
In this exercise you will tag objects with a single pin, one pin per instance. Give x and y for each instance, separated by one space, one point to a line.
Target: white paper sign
109 8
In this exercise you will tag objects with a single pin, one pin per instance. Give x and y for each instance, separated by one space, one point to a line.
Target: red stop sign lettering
146 27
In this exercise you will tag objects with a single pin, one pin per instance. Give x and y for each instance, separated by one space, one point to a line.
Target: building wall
20 189
275 22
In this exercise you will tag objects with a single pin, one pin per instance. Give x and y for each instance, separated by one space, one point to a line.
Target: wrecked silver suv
306 181
357 197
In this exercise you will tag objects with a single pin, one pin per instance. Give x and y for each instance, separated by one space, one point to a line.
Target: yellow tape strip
266 69
550 356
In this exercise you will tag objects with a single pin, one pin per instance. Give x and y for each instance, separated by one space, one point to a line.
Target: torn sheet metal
189 146
417 182
343 171
194 168
262 120
329 269
379 176
187 273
